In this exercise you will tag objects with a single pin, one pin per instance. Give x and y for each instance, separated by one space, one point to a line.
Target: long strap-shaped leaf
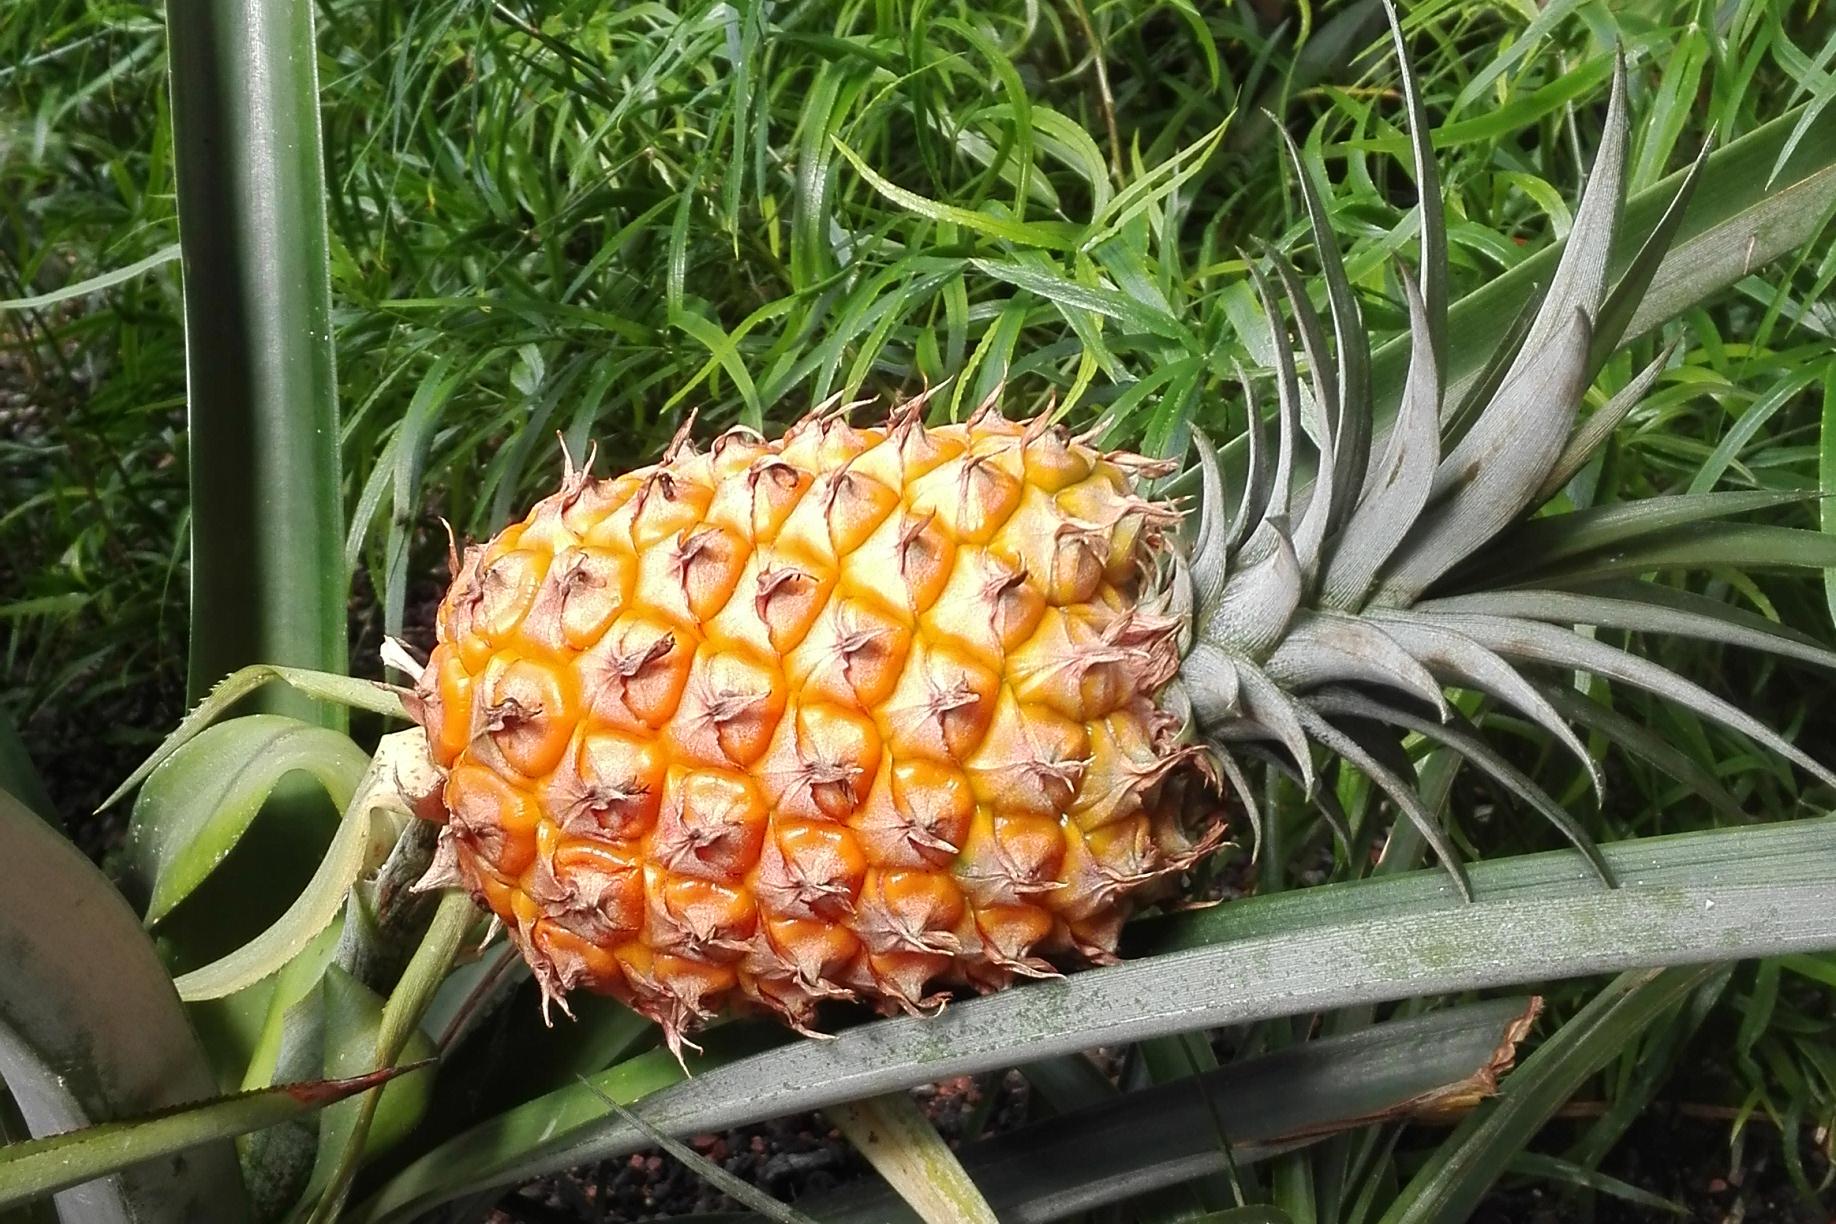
1683 900
1126 1145
1456 1177
43 1166
267 562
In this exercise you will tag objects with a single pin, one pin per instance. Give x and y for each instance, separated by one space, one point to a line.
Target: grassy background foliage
591 218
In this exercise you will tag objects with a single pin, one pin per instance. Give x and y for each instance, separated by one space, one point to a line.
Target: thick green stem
268 580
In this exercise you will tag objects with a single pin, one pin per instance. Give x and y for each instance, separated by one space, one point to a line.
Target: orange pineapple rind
856 713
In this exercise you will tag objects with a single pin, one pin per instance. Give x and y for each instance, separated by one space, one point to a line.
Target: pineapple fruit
860 712
843 713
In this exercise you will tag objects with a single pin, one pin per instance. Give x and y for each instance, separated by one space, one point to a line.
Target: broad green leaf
196 806
390 1108
373 817
1686 899
1448 1188
91 1029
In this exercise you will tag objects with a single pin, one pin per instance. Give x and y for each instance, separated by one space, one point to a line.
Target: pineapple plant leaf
1418 1068
267 582
191 813
45 1166
1456 1177
106 1041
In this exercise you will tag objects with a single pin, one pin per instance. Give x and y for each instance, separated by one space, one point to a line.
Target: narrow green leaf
1735 224
95 284
1826 479
1448 1188
1544 544
1100 300
324 686
734 1187
1554 646
1642 608
902 1145
1750 422
1126 1145
1698 546
44 1166
1049 235
1640 741
1555 1169
1464 739
1429 206
399 1023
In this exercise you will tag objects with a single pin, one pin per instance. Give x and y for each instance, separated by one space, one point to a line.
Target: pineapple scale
851 714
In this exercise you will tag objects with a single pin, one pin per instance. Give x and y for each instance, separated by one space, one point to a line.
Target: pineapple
840 714
863 712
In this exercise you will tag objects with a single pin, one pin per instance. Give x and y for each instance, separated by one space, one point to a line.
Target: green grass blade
94 284
733 1186
267 571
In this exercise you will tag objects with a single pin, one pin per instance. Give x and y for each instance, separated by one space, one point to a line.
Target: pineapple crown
1333 608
